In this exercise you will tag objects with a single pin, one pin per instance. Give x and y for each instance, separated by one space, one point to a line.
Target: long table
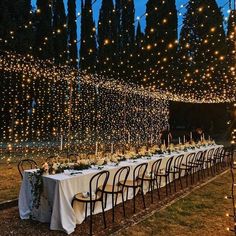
59 189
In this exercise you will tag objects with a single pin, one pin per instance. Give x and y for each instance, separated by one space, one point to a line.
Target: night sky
140 8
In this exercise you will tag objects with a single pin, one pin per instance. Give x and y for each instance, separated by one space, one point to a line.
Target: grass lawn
203 212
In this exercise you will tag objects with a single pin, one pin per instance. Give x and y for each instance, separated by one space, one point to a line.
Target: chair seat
149 177
130 183
109 188
81 198
162 174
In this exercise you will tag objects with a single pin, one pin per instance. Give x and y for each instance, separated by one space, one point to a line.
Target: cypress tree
138 55
161 38
8 24
88 48
43 22
125 37
72 33
202 46
24 33
231 38
106 37
59 31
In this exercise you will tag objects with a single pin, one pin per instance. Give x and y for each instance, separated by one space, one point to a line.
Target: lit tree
161 39
202 46
231 36
59 31
16 25
72 33
106 37
139 55
88 48
43 22
125 37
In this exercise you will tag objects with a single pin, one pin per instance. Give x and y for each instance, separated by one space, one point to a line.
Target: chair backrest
209 154
98 182
139 172
178 161
190 159
120 175
168 165
215 154
155 167
26 164
199 157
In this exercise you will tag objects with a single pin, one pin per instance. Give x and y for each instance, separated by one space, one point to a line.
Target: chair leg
91 219
158 190
142 193
174 181
123 203
134 198
180 180
166 185
86 209
105 200
186 178
103 214
113 208
127 192
151 187
169 183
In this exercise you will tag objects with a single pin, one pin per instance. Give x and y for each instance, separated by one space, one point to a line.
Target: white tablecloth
59 190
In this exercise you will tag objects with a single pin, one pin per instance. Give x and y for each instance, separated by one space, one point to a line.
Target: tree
138 55
125 37
106 38
24 32
16 25
88 49
43 23
202 46
59 31
72 33
161 39
231 54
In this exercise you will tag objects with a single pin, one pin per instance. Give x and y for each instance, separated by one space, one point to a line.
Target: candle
112 148
164 142
191 136
168 140
179 141
96 150
151 140
184 139
209 138
129 137
61 145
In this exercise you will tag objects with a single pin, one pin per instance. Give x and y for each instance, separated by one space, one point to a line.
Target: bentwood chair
165 173
187 167
136 183
116 188
198 164
97 185
152 178
176 170
209 161
26 164
217 159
